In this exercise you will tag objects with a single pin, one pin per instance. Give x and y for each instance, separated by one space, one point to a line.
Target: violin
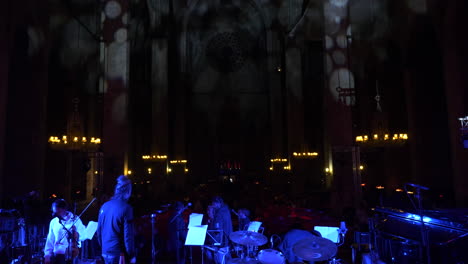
75 250
72 236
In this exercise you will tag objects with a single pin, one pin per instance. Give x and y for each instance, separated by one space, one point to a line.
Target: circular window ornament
225 52
112 9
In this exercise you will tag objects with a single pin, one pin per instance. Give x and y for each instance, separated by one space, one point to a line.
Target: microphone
418 186
343 228
234 211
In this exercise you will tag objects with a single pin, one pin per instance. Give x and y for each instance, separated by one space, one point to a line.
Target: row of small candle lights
154 157
299 155
162 158
365 138
305 154
64 140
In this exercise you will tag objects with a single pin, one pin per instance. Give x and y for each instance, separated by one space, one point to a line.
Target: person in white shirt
63 240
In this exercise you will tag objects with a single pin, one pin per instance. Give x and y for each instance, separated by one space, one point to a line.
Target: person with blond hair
115 225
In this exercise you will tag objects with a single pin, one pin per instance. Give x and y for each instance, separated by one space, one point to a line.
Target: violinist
63 242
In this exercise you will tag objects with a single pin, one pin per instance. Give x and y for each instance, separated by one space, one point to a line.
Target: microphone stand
153 246
424 237
179 212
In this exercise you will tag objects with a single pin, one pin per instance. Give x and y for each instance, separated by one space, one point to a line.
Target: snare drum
271 256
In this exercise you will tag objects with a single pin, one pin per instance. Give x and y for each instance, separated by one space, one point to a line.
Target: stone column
115 61
339 97
294 103
25 115
4 62
158 13
455 57
275 73
159 87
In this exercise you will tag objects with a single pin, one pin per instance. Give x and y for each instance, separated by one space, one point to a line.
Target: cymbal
315 249
248 238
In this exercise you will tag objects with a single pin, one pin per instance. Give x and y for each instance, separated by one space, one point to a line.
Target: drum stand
250 255
341 233
153 246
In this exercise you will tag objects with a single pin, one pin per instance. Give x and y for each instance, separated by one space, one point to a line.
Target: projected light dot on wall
120 35
331 27
334 16
329 43
225 52
125 19
118 109
328 64
117 64
339 57
112 9
417 6
332 12
342 41
349 32
341 85
36 40
339 3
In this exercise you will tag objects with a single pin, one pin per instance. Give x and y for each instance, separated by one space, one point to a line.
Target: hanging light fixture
380 135
75 139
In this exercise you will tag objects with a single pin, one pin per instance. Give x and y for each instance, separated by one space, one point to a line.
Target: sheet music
329 232
196 235
254 226
89 231
195 219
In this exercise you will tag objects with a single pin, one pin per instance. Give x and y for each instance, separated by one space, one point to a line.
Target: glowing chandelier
75 138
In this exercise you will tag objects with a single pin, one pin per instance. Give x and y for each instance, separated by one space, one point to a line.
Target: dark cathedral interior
305 112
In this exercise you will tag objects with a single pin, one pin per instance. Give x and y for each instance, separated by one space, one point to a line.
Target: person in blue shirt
116 233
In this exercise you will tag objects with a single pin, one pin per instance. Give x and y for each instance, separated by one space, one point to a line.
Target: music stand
254 226
196 237
218 238
215 233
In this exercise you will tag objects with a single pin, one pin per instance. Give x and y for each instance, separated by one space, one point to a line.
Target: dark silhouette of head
123 188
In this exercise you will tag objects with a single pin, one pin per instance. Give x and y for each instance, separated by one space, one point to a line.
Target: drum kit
20 243
315 249
309 250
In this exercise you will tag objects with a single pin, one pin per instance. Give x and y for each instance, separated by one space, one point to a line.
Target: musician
291 238
62 244
221 221
177 233
244 218
210 214
221 217
115 225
